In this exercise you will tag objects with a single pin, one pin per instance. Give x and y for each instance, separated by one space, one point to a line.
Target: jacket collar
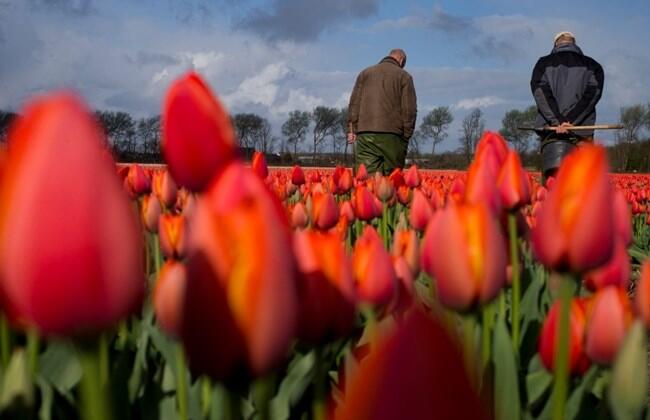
389 59
567 47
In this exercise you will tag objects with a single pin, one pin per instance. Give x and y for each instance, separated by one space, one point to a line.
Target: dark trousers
380 152
554 148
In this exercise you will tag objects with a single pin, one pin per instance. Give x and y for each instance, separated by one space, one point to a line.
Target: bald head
399 55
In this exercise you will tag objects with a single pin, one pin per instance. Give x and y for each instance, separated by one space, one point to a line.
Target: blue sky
271 57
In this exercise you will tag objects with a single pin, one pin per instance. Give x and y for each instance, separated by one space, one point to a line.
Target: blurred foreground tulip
414 371
608 320
513 183
406 245
242 273
70 262
150 211
578 361
169 297
198 140
326 289
464 252
164 188
616 272
575 228
299 217
374 275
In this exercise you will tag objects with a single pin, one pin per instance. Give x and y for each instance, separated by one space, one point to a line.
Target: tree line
307 136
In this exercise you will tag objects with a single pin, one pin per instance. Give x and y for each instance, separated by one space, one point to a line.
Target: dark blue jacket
567 85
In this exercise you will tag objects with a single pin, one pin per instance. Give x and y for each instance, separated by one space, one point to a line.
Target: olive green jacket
383 100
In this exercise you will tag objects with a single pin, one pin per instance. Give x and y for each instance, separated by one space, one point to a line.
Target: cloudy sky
274 56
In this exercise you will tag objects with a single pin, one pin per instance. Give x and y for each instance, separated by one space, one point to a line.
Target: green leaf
17 389
537 383
506 381
300 374
573 404
47 400
628 387
60 367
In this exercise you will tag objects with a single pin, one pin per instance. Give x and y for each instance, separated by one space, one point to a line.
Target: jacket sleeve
409 106
355 104
546 102
587 103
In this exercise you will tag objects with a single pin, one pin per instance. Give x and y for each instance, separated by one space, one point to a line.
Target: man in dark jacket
566 85
381 114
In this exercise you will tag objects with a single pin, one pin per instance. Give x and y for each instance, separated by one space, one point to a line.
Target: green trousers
380 152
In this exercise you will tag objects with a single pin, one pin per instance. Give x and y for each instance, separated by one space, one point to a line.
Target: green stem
103 360
181 384
206 392
384 225
358 229
502 305
94 394
157 258
318 405
561 356
516 280
33 344
5 341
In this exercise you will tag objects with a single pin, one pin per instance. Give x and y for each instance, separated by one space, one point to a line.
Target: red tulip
150 211
496 143
172 236
259 165
407 245
139 180
622 218
404 195
575 228
70 261
362 173
164 188
242 273
374 275
464 251
414 371
325 211
481 186
614 273
412 177
642 294
513 183
396 178
297 176
421 211
326 289
346 210
299 217
198 140
169 297
364 204
578 362
607 323
385 189
345 181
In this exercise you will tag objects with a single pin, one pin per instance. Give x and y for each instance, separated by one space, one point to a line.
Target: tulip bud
169 297
513 183
421 211
164 188
607 323
404 195
297 176
362 173
396 178
548 338
575 228
364 204
347 211
385 189
299 217
70 262
464 251
172 236
412 177
259 165
406 245
374 275
198 140
345 181
150 212
139 180
325 211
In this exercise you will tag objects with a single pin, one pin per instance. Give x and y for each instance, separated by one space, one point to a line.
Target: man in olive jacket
382 113
566 85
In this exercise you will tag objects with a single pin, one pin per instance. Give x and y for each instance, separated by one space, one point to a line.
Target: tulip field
213 288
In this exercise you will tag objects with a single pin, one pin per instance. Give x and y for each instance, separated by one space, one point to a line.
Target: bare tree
295 129
633 118
120 129
264 137
434 126
472 128
148 131
325 121
247 128
514 119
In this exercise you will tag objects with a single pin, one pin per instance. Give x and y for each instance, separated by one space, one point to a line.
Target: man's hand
351 137
563 128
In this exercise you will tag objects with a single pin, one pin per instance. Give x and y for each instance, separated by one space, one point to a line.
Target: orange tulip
364 204
481 186
150 211
326 289
578 361
164 188
385 189
345 181
622 218
513 183
608 320
374 275
242 273
616 272
70 261
421 211
299 217
404 195
325 211
414 371
169 297
172 236
198 140
407 245
259 165
575 228
347 211
464 251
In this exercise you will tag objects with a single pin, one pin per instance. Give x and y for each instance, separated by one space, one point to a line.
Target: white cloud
299 100
261 88
482 102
